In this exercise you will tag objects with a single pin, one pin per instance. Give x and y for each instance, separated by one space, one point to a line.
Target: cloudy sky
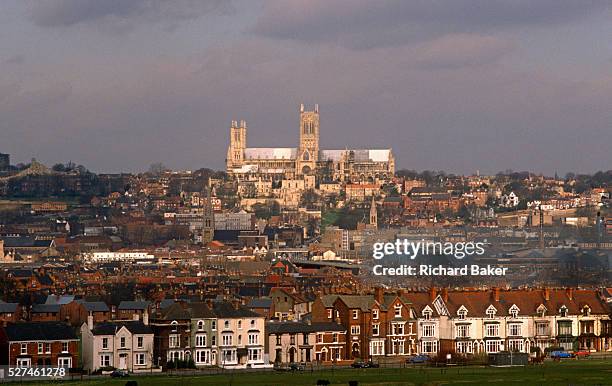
459 85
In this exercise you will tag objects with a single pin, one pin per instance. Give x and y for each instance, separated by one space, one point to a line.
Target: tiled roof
8 307
37 331
134 305
111 328
301 327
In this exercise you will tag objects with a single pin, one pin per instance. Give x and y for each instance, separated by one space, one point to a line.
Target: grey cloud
367 24
65 13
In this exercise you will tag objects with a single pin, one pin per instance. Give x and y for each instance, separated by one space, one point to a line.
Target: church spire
373 213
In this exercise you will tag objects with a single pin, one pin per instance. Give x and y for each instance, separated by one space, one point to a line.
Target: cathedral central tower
308 151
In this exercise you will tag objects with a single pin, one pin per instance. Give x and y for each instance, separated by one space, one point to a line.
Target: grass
592 372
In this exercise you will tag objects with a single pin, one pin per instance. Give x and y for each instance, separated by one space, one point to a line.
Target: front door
123 361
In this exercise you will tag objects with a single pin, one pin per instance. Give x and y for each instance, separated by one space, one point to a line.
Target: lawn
592 372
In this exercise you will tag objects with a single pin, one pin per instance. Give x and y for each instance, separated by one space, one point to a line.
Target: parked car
561 355
297 367
373 365
418 359
281 367
582 354
358 364
119 373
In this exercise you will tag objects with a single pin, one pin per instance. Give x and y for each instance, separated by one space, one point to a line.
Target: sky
460 86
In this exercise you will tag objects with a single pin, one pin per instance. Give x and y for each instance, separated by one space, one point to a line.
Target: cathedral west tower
308 151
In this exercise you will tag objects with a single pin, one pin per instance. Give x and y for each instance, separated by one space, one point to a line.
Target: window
335 337
226 325
213 325
375 313
355 330
355 314
377 347
200 340
586 311
141 359
563 312
305 338
398 310
398 328
254 339
240 324
492 346
319 338
24 349
514 313
254 354
427 314
122 342
463 331
213 340
462 314
429 347
23 362
64 346
104 343
329 313
514 329
492 330
278 340
47 348
239 339
252 323
40 348
65 362
140 342
227 340
376 329
200 325
463 347
105 360
542 328
491 313
292 339
202 356
429 330
515 345
174 325
564 328
173 341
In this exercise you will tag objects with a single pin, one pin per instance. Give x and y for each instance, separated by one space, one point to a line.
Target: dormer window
514 311
491 312
462 314
586 311
427 314
541 311
398 310
375 313
174 325
563 312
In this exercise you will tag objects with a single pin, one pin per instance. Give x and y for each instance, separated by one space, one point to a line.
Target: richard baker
439 270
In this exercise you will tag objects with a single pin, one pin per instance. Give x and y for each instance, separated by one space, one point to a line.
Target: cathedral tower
308 151
238 138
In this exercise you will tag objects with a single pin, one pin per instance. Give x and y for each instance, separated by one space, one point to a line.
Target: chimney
90 323
445 294
379 294
145 318
496 294
432 293
546 294
570 293
236 304
209 303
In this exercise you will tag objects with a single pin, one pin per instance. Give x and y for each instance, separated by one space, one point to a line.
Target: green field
591 372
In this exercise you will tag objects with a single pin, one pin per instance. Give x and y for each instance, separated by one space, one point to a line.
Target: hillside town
268 263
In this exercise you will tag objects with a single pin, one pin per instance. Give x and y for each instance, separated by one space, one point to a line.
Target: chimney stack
496 294
445 294
432 293
570 293
546 294
90 323
379 294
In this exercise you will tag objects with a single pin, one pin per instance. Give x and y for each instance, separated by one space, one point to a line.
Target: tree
157 169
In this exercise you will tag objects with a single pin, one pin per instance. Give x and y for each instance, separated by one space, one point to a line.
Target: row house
122 345
377 325
297 341
287 304
39 344
224 334
479 322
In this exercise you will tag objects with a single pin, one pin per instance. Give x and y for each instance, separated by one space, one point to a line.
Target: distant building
5 161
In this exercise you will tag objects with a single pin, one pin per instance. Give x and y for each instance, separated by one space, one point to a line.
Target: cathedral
348 165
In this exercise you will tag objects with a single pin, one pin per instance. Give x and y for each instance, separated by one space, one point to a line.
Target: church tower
373 214
308 151
235 151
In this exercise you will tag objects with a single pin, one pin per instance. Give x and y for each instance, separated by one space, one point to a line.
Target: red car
582 354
